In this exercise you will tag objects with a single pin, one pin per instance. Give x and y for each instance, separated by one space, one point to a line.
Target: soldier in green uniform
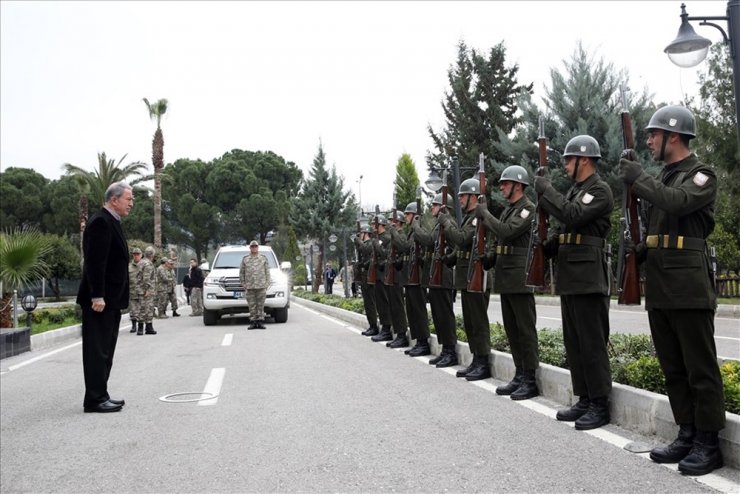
513 230
474 305
583 279
441 293
166 288
397 261
146 289
364 247
679 288
254 276
416 304
381 245
134 306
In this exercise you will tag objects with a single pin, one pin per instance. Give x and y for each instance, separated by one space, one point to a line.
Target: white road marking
228 338
36 359
726 338
213 386
549 318
335 321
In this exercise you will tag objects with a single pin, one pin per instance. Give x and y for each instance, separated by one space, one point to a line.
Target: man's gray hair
116 189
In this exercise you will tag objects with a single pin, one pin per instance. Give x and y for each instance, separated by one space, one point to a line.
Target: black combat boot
401 341
482 369
253 325
384 335
705 455
513 385
421 349
140 331
371 331
528 387
150 328
575 412
596 416
464 372
678 449
133 326
261 324
175 314
449 358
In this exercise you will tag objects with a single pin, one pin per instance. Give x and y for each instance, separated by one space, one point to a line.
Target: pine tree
407 181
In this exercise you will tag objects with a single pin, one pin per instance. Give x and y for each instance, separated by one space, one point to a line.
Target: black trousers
416 312
475 322
684 341
368 301
443 315
520 323
585 334
398 308
382 304
99 337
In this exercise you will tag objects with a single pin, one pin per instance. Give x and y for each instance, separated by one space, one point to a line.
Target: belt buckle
651 241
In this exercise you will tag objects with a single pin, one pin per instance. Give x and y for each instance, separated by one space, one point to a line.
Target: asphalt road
309 405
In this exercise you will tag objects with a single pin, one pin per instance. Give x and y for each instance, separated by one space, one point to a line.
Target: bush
552 348
645 373
499 340
624 349
731 378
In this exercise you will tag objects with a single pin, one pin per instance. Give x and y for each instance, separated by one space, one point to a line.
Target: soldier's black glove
480 210
489 260
450 259
551 245
541 183
443 219
629 169
639 250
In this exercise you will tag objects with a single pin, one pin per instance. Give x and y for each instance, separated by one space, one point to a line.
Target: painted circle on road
203 396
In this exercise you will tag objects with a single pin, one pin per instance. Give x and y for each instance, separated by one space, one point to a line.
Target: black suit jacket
105 272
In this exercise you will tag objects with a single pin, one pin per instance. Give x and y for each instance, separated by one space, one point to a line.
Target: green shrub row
632 357
57 315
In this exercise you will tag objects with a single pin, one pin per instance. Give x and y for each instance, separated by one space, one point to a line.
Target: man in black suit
104 291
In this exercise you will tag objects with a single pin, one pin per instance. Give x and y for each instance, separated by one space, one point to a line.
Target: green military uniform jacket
382 248
681 205
133 273
584 213
146 278
462 238
512 230
428 239
400 240
165 280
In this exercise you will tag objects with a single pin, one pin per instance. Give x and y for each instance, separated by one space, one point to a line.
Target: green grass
46 325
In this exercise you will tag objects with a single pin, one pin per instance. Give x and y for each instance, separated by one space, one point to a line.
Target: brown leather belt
578 239
463 255
675 242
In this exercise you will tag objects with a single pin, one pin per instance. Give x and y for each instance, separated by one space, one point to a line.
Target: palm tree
156 111
21 261
107 173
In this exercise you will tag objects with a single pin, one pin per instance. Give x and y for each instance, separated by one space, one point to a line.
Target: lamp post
434 182
29 303
359 191
690 49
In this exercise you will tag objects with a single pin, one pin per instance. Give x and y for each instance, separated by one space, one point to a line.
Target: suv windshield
230 260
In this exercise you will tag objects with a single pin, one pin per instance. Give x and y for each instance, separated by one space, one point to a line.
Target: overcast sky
364 78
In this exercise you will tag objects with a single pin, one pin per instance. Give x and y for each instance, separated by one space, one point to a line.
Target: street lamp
29 303
690 49
435 183
359 191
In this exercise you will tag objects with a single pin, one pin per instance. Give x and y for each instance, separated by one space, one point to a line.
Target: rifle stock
476 273
440 245
536 260
628 273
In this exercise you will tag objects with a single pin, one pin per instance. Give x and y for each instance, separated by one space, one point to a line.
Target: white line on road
213 386
36 359
726 338
549 318
228 338
335 321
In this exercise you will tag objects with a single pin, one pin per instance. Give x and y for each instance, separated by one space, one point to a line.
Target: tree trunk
158 162
6 314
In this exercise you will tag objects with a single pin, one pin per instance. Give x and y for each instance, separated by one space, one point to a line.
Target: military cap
136 250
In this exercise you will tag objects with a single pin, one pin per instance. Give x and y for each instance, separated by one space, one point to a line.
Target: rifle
440 244
628 274
536 258
476 273
372 273
416 253
390 266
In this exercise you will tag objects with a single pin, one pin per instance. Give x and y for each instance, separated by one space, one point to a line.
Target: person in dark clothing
329 275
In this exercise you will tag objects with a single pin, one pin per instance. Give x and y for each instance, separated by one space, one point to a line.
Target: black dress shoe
117 402
384 335
371 331
420 351
399 342
105 407
447 360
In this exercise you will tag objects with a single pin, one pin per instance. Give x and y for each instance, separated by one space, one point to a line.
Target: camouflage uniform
134 305
145 289
165 290
254 275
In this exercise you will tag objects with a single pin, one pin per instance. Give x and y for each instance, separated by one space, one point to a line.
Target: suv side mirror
286 266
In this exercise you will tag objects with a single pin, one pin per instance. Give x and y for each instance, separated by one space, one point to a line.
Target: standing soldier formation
680 293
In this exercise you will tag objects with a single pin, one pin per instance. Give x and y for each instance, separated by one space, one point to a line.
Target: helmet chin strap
662 146
575 169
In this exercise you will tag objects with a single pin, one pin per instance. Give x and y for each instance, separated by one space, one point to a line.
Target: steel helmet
438 200
469 186
411 208
366 229
674 118
515 173
583 145
382 220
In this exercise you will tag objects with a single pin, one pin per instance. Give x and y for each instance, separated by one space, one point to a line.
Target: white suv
223 294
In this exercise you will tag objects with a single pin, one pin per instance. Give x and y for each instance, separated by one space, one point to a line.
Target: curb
637 410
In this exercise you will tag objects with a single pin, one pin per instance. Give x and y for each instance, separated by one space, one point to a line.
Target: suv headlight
210 282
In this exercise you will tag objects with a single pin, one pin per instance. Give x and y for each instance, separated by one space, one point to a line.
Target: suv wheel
280 315
210 317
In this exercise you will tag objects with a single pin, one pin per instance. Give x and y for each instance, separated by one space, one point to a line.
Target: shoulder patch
700 179
524 214
475 222
587 198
